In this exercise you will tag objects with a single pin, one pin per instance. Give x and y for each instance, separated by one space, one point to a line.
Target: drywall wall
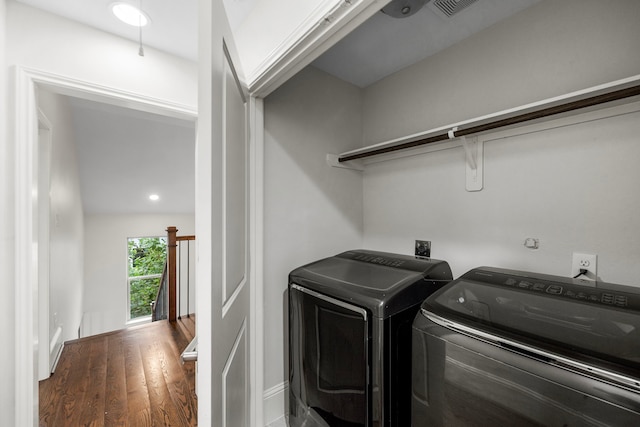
43 41
66 220
7 375
573 188
311 210
105 279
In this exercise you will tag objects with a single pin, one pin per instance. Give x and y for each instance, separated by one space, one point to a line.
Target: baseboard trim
56 359
274 400
55 348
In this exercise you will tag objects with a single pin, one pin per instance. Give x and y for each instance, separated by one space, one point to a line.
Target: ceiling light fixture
154 197
130 14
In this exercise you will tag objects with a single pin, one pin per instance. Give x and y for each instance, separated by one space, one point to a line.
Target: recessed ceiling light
130 14
154 197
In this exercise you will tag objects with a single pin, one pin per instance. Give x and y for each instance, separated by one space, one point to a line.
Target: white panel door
234 321
222 219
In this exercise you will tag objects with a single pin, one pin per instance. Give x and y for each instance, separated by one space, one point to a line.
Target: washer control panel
588 294
592 292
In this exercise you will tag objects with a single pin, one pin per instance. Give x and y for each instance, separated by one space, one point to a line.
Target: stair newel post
171 270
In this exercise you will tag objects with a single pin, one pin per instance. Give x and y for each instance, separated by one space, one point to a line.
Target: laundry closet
566 183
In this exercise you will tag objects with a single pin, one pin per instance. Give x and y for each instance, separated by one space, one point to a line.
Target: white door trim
27 81
44 212
256 254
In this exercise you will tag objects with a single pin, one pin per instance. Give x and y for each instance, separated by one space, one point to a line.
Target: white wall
7 377
105 279
66 229
311 210
574 188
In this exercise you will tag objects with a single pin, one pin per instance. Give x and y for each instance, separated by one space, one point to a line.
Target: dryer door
329 361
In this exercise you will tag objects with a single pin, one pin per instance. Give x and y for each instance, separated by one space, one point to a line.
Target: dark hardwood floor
131 377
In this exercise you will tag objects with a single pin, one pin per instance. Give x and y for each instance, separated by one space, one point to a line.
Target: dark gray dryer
350 321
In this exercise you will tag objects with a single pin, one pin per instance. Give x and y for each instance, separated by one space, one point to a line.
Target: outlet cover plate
423 248
588 262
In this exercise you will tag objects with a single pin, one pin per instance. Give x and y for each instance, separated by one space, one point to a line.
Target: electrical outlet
584 262
423 248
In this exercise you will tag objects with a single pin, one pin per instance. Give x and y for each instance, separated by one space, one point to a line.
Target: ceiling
383 44
173 26
111 182
125 155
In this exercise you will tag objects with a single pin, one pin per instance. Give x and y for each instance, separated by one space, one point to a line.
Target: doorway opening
27 83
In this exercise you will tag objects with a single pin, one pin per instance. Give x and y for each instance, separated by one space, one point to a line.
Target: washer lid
596 323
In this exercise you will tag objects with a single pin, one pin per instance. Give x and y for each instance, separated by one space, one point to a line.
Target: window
146 258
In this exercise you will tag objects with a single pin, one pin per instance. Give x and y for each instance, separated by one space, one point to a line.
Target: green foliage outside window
147 256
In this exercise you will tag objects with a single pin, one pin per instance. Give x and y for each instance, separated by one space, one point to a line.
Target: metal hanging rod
591 101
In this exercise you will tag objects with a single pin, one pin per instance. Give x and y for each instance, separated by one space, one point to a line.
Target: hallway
131 377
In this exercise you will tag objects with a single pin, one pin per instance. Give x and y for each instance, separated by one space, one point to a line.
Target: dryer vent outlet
451 7
423 248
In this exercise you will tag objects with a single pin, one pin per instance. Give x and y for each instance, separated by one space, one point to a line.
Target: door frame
26 83
43 229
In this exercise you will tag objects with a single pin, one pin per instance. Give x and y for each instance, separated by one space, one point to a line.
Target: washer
505 347
350 319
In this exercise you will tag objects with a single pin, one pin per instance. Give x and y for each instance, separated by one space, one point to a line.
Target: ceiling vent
451 7
403 8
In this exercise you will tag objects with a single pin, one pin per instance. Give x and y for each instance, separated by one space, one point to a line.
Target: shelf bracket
474 151
332 160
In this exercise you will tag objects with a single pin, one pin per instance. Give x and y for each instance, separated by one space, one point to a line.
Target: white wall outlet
584 262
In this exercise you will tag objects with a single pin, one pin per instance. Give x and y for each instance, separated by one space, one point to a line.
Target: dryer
350 319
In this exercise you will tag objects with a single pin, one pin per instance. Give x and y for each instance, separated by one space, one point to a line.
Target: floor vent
451 7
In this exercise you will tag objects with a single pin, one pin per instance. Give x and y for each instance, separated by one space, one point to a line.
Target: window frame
146 318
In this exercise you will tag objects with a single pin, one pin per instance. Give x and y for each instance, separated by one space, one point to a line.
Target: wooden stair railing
172 269
168 290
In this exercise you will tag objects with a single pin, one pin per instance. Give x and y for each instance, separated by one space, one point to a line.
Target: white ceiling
113 182
383 44
173 26
125 155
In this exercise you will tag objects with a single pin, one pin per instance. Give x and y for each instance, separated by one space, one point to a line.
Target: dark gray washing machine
350 319
509 348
